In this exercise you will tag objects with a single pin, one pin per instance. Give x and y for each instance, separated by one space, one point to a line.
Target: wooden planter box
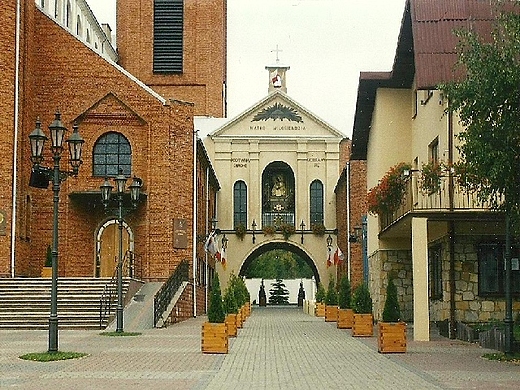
319 310
331 313
391 337
240 320
345 318
214 338
46 272
363 325
231 322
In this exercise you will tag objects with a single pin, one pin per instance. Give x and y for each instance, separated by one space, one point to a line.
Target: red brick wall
61 72
204 52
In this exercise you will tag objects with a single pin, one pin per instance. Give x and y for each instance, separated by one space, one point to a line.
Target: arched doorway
107 248
284 245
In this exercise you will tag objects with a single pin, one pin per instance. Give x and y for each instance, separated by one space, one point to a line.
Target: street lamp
253 225
45 175
302 226
106 192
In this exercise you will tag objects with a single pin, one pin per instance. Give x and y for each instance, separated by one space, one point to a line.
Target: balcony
417 202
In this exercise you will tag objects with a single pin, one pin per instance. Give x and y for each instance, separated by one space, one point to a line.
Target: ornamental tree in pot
345 312
319 310
231 309
391 331
214 331
331 302
363 318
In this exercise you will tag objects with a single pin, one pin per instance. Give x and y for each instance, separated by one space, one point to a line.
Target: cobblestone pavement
278 348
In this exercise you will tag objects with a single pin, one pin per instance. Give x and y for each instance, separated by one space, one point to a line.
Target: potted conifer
47 268
231 308
331 303
391 331
345 312
363 318
214 331
319 310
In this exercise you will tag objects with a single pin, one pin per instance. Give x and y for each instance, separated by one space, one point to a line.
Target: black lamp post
253 225
106 192
302 226
75 143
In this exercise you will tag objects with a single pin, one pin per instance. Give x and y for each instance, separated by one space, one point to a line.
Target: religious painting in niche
278 111
277 195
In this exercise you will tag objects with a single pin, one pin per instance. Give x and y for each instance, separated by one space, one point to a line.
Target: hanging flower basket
240 231
318 229
431 174
387 196
269 230
287 230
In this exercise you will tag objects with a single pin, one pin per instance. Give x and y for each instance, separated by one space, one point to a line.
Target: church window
316 195
68 16
240 203
168 36
78 26
112 151
57 10
88 35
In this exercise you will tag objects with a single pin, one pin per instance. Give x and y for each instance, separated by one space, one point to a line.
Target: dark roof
426 51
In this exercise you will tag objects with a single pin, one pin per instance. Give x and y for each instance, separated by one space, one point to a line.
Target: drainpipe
207 233
451 227
194 224
349 246
15 140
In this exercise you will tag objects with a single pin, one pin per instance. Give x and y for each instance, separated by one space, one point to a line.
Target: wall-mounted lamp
302 227
253 225
329 241
224 241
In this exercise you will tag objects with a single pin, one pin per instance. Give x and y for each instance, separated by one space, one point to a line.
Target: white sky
325 42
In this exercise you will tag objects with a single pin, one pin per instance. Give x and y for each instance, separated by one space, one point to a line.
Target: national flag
210 245
329 256
338 256
223 256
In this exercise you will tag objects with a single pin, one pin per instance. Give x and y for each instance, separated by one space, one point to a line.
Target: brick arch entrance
107 248
283 245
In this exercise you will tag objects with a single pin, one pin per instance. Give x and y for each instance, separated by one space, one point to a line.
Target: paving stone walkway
278 348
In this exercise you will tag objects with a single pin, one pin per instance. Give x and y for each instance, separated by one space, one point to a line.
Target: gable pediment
276 116
111 109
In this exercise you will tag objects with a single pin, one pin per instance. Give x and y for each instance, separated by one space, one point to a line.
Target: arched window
57 10
112 151
68 16
240 203
316 194
88 35
79 33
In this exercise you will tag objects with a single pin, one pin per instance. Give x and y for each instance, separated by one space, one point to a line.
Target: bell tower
277 71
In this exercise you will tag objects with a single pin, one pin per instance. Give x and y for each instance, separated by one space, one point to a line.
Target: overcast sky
325 42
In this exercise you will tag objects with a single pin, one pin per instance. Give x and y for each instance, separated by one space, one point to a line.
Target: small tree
230 303
331 298
362 300
216 308
278 295
320 293
344 293
391 312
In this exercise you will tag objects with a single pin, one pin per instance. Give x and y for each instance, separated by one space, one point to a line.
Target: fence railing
164 296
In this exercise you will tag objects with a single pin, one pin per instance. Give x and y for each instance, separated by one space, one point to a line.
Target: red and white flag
338 256
210 246
223 257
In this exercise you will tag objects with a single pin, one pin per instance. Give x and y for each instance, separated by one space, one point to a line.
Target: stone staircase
25 302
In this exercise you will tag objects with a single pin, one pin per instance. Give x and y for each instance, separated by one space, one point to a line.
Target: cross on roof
277 51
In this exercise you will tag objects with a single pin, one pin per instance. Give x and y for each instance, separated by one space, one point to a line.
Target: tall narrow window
68 16
112 151
240 203
433 151
168 36
435 266
316 195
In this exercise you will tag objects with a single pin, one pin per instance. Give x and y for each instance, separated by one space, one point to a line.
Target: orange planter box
319 310
345 318
391 337
214 338
331 313
231 322
363 325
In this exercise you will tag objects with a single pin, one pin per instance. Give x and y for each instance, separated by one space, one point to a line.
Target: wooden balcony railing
416 200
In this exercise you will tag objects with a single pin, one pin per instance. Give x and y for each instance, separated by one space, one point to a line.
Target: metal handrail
105 302
164 296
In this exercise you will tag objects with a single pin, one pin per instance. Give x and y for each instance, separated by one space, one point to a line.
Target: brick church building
134 108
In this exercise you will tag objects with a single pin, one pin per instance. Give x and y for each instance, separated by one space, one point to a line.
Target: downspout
207 232
194 224
451 226
15 141
349 245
